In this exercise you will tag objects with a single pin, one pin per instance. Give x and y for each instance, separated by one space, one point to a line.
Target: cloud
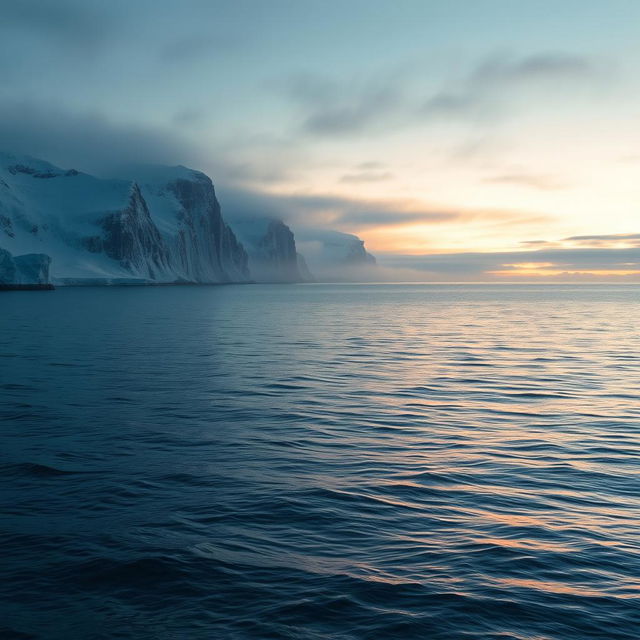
370 171
370 165
257 161
333 108
336 212
452 105
91 142
355 214
189 117
351 117
545 264
606 240
87 140
65 23
509 70
538 244
534 181
196 46
395 219
595 241
367 176
484 93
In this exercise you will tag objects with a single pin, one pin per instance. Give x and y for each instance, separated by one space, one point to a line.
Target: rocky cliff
156 225
271 245
27 271
335 256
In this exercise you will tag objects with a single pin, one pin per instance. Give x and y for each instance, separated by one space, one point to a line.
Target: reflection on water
321 462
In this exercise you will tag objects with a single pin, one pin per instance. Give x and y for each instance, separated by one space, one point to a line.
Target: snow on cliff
31 269
337 256
271 246
159 224
154 224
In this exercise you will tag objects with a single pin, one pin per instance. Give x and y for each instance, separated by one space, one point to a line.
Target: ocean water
320 462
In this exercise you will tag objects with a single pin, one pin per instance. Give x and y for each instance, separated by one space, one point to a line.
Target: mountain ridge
151 224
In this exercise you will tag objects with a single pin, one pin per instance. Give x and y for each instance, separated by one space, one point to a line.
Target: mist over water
320 462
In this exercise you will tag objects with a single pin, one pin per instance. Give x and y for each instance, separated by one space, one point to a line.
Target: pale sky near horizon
425 127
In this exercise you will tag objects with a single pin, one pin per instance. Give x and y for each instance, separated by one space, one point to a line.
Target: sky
462 140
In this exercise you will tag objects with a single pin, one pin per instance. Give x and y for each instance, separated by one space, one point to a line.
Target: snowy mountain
156 225
152 224
337 256
271 246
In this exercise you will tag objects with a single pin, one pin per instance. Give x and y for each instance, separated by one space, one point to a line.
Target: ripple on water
321 463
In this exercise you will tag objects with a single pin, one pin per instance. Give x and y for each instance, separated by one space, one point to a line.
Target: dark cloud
87 141
239 174
357 215
240 203
65 23
257 161
336 212
93 143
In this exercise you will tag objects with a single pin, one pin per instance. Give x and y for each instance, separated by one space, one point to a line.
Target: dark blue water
321 462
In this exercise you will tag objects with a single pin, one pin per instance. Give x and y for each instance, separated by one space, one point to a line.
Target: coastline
26 287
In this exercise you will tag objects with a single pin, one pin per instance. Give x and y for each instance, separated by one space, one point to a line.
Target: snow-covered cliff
28 270
152 224
271 246
156 225
337 256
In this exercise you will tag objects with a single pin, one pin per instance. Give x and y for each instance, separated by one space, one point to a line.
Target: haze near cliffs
152 225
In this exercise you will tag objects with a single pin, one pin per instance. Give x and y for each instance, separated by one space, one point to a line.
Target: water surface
320 462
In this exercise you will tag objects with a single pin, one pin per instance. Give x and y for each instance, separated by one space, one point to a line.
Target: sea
320 462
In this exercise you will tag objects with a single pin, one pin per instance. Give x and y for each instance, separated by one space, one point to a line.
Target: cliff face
156 224
18 271
354 253
205 246
159 224
130 237
336 256
273 255
303 269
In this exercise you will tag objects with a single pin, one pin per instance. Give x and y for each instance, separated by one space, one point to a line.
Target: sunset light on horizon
424 128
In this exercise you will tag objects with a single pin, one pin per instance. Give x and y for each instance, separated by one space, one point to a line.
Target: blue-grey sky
426 127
